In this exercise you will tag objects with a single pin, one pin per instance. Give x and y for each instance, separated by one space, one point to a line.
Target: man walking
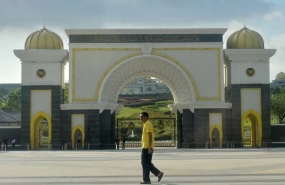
147 150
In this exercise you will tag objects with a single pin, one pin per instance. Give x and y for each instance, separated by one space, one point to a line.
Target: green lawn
128 111
273 119
162 107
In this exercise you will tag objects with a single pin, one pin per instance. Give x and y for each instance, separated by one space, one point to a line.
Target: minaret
43 61
248 87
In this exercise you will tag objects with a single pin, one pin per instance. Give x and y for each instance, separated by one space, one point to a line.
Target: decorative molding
197 94
252 55
218 31
258 124
124 59
41 73
93 106
145 38
146 48
196 105
155 66
42 55
250 72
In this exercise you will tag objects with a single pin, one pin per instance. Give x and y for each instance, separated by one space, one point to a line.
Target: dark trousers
147 165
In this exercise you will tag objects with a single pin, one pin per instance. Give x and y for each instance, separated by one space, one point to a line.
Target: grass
162 107
128 111
273 120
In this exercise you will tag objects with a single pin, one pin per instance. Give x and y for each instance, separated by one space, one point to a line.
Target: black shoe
145 183
160 176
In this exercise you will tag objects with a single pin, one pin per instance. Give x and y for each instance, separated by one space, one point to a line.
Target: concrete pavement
224 166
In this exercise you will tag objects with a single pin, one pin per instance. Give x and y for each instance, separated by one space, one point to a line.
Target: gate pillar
179 129
187 128
107 130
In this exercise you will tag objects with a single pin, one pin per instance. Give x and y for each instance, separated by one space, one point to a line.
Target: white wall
91 62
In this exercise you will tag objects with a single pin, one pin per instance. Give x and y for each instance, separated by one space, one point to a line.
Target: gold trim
77 127
254 114
140 53
110 68
250 72
36 118
219 126
198 97
105 73
34 126
221 133
259 124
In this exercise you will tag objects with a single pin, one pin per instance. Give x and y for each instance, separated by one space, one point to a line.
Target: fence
193 145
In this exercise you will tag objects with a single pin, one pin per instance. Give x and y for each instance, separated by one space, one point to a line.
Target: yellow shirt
147 127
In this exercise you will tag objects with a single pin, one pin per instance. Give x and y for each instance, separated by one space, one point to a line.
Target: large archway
169 72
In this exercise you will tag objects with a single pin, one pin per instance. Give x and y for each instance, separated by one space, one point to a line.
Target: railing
134 144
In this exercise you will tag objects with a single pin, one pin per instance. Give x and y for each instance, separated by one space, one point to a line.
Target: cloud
232 27
277 63
93 14
60 15
14 38
273 15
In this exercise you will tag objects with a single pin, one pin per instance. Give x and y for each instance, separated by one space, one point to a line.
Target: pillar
188 129
179 129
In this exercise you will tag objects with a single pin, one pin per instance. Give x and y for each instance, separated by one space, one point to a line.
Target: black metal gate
129 132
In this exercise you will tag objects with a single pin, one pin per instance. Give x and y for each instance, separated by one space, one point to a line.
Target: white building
279 81
145 85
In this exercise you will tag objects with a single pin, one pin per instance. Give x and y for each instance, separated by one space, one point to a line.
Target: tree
3 92
228 94
66 93
277 106
13 101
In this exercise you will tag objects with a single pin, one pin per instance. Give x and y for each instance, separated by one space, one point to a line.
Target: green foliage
277 106
228 94
163 137
275 91
66 93
13 101
3 92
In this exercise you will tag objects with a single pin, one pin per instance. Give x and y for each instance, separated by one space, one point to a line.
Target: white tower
248 86
43 62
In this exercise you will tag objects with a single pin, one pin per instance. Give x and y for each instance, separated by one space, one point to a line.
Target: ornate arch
220 133
80 128
258 124
34 126
169 72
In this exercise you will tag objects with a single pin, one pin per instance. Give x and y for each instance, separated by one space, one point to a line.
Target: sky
19 18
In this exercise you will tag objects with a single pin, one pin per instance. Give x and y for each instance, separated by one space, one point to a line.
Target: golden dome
43 39
280 76
245 39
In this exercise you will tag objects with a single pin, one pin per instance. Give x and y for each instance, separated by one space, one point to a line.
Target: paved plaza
181 167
